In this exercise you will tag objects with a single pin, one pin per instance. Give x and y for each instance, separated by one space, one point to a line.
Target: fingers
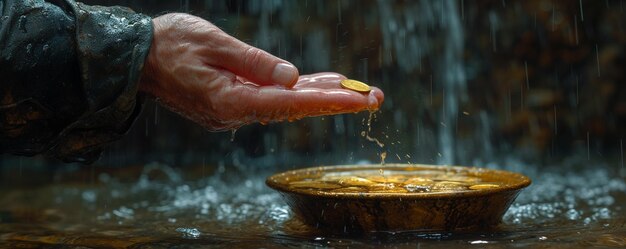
223 83
313 95
269 103
327 80
193 36
252 63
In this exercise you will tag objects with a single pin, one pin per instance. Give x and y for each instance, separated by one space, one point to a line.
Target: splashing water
236 208
228 205
366 133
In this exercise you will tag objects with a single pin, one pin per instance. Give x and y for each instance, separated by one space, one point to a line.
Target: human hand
197 70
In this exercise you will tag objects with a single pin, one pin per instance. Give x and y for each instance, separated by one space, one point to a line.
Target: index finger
271 103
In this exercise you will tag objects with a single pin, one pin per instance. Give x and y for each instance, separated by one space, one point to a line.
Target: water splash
189 233
367 131
564 196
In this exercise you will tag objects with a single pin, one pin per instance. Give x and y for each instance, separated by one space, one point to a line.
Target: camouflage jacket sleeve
68 76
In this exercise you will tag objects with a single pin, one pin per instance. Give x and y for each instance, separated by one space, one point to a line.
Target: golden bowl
398 197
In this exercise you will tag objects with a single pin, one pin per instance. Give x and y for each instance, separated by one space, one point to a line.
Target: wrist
150 65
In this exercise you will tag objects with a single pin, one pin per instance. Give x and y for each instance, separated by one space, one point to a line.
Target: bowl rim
519 181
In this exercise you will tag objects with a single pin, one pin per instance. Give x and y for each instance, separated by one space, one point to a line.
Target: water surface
158 206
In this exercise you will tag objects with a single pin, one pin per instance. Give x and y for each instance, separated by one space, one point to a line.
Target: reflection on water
156 206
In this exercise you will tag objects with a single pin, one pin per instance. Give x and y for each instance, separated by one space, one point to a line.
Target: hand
195 69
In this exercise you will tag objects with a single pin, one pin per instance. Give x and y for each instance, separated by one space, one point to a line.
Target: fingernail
284 74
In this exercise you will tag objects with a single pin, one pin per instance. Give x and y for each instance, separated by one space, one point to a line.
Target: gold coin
386 179
483 186
356 86
419 181
352 181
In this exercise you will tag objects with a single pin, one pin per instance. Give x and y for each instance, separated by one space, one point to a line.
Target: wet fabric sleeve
68 76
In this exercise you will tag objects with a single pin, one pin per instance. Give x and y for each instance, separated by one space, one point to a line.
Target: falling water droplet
576 90
621 149
509 102
521 97
232 135
555 122
431 89
576 28
339 11
526 71
20 163
582 17
463 10
553 18
382 158
22 24
300 45
380 56
443 105
418 134
492 22
588 155
365 68
204 166
598 59
156 114
185 5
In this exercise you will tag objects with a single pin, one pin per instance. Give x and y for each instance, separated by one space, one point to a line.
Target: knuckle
252 59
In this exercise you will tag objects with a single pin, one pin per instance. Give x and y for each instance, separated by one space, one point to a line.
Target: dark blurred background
466 82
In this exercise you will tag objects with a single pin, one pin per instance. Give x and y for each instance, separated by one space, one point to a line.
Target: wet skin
221 83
